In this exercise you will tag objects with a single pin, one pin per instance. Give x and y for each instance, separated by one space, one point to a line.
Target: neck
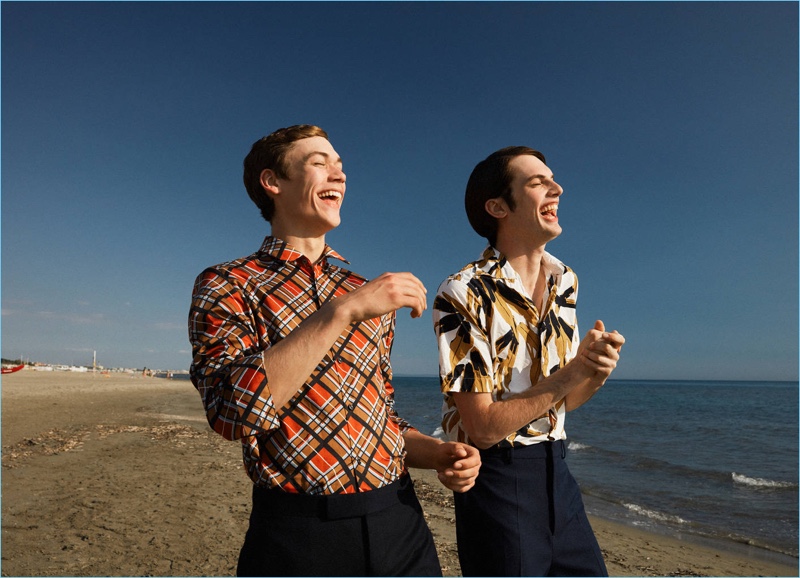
310 246
527 262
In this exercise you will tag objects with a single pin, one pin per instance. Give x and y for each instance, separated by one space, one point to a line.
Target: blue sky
673 128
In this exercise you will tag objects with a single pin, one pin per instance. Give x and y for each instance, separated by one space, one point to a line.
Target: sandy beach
120 476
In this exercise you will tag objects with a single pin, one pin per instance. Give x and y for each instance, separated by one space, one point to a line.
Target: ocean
711 460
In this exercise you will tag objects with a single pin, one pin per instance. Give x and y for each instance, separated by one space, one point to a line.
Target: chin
333 224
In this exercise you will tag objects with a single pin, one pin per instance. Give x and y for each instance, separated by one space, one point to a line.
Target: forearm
290 362
583 393
421 450
489 423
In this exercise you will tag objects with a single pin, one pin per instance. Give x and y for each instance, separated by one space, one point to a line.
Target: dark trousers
376 533
525 517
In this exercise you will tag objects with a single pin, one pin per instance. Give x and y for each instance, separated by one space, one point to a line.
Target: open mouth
330 196
549 211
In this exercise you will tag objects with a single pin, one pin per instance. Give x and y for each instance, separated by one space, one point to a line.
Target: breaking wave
760 482
654 515
577 446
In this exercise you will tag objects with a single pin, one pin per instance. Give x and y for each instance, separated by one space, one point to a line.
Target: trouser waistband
274 503
554 449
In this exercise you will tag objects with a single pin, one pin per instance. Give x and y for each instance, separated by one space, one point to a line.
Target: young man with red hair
291 357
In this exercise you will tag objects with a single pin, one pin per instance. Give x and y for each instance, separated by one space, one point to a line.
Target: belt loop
563 449
508 455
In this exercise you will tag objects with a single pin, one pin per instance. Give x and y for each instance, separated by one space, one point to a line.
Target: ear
269 181
497 208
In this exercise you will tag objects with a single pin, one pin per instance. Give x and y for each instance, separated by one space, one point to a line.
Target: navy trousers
525 517
376 533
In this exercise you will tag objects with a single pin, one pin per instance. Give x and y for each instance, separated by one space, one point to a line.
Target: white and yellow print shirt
493 338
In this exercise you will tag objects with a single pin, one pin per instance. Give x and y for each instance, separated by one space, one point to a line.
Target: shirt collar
495 263
283 251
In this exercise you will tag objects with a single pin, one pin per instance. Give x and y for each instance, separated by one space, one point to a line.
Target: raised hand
389 292
600 350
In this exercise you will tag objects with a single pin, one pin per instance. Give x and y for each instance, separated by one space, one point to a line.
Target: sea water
717 460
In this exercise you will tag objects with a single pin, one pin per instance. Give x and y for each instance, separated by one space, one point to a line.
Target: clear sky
673 128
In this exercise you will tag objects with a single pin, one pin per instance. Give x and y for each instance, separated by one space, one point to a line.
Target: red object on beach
12 369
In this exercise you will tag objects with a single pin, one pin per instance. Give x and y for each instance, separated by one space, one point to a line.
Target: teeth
550 209
330 195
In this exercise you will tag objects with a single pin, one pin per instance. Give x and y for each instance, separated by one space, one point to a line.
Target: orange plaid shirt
339 433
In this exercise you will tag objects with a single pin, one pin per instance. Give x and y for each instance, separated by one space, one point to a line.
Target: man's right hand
599 350
290 361
389 292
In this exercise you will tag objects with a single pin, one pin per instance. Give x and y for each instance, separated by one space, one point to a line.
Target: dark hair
491 179
269 152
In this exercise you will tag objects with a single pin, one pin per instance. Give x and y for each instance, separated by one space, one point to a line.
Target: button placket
349 405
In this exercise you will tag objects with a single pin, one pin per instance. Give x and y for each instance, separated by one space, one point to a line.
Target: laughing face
536 196
308 200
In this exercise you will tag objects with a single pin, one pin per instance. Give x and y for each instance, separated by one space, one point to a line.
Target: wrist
339 311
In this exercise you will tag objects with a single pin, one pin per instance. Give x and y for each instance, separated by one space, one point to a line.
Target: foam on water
653 515
760 482
577 446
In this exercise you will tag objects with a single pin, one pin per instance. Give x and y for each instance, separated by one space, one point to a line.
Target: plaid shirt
339 433
493 339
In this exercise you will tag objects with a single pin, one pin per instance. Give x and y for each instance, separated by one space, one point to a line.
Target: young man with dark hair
511 365
291 357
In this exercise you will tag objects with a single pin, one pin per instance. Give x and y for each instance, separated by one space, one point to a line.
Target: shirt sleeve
227 359
465 351
386 371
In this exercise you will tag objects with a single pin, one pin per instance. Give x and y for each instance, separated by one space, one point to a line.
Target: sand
121 476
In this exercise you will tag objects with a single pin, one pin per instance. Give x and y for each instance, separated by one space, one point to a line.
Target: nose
337 174
556 189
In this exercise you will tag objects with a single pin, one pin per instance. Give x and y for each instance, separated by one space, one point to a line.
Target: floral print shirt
493 339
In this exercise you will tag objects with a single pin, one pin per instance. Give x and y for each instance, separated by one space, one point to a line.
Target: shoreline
632 551
740 546
121 475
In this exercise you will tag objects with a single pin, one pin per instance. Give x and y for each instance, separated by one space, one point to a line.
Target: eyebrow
545 177
326 155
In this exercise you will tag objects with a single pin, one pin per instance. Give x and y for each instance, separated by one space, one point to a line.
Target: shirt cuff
253 397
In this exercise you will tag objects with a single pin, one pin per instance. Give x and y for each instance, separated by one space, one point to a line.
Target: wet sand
121 476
